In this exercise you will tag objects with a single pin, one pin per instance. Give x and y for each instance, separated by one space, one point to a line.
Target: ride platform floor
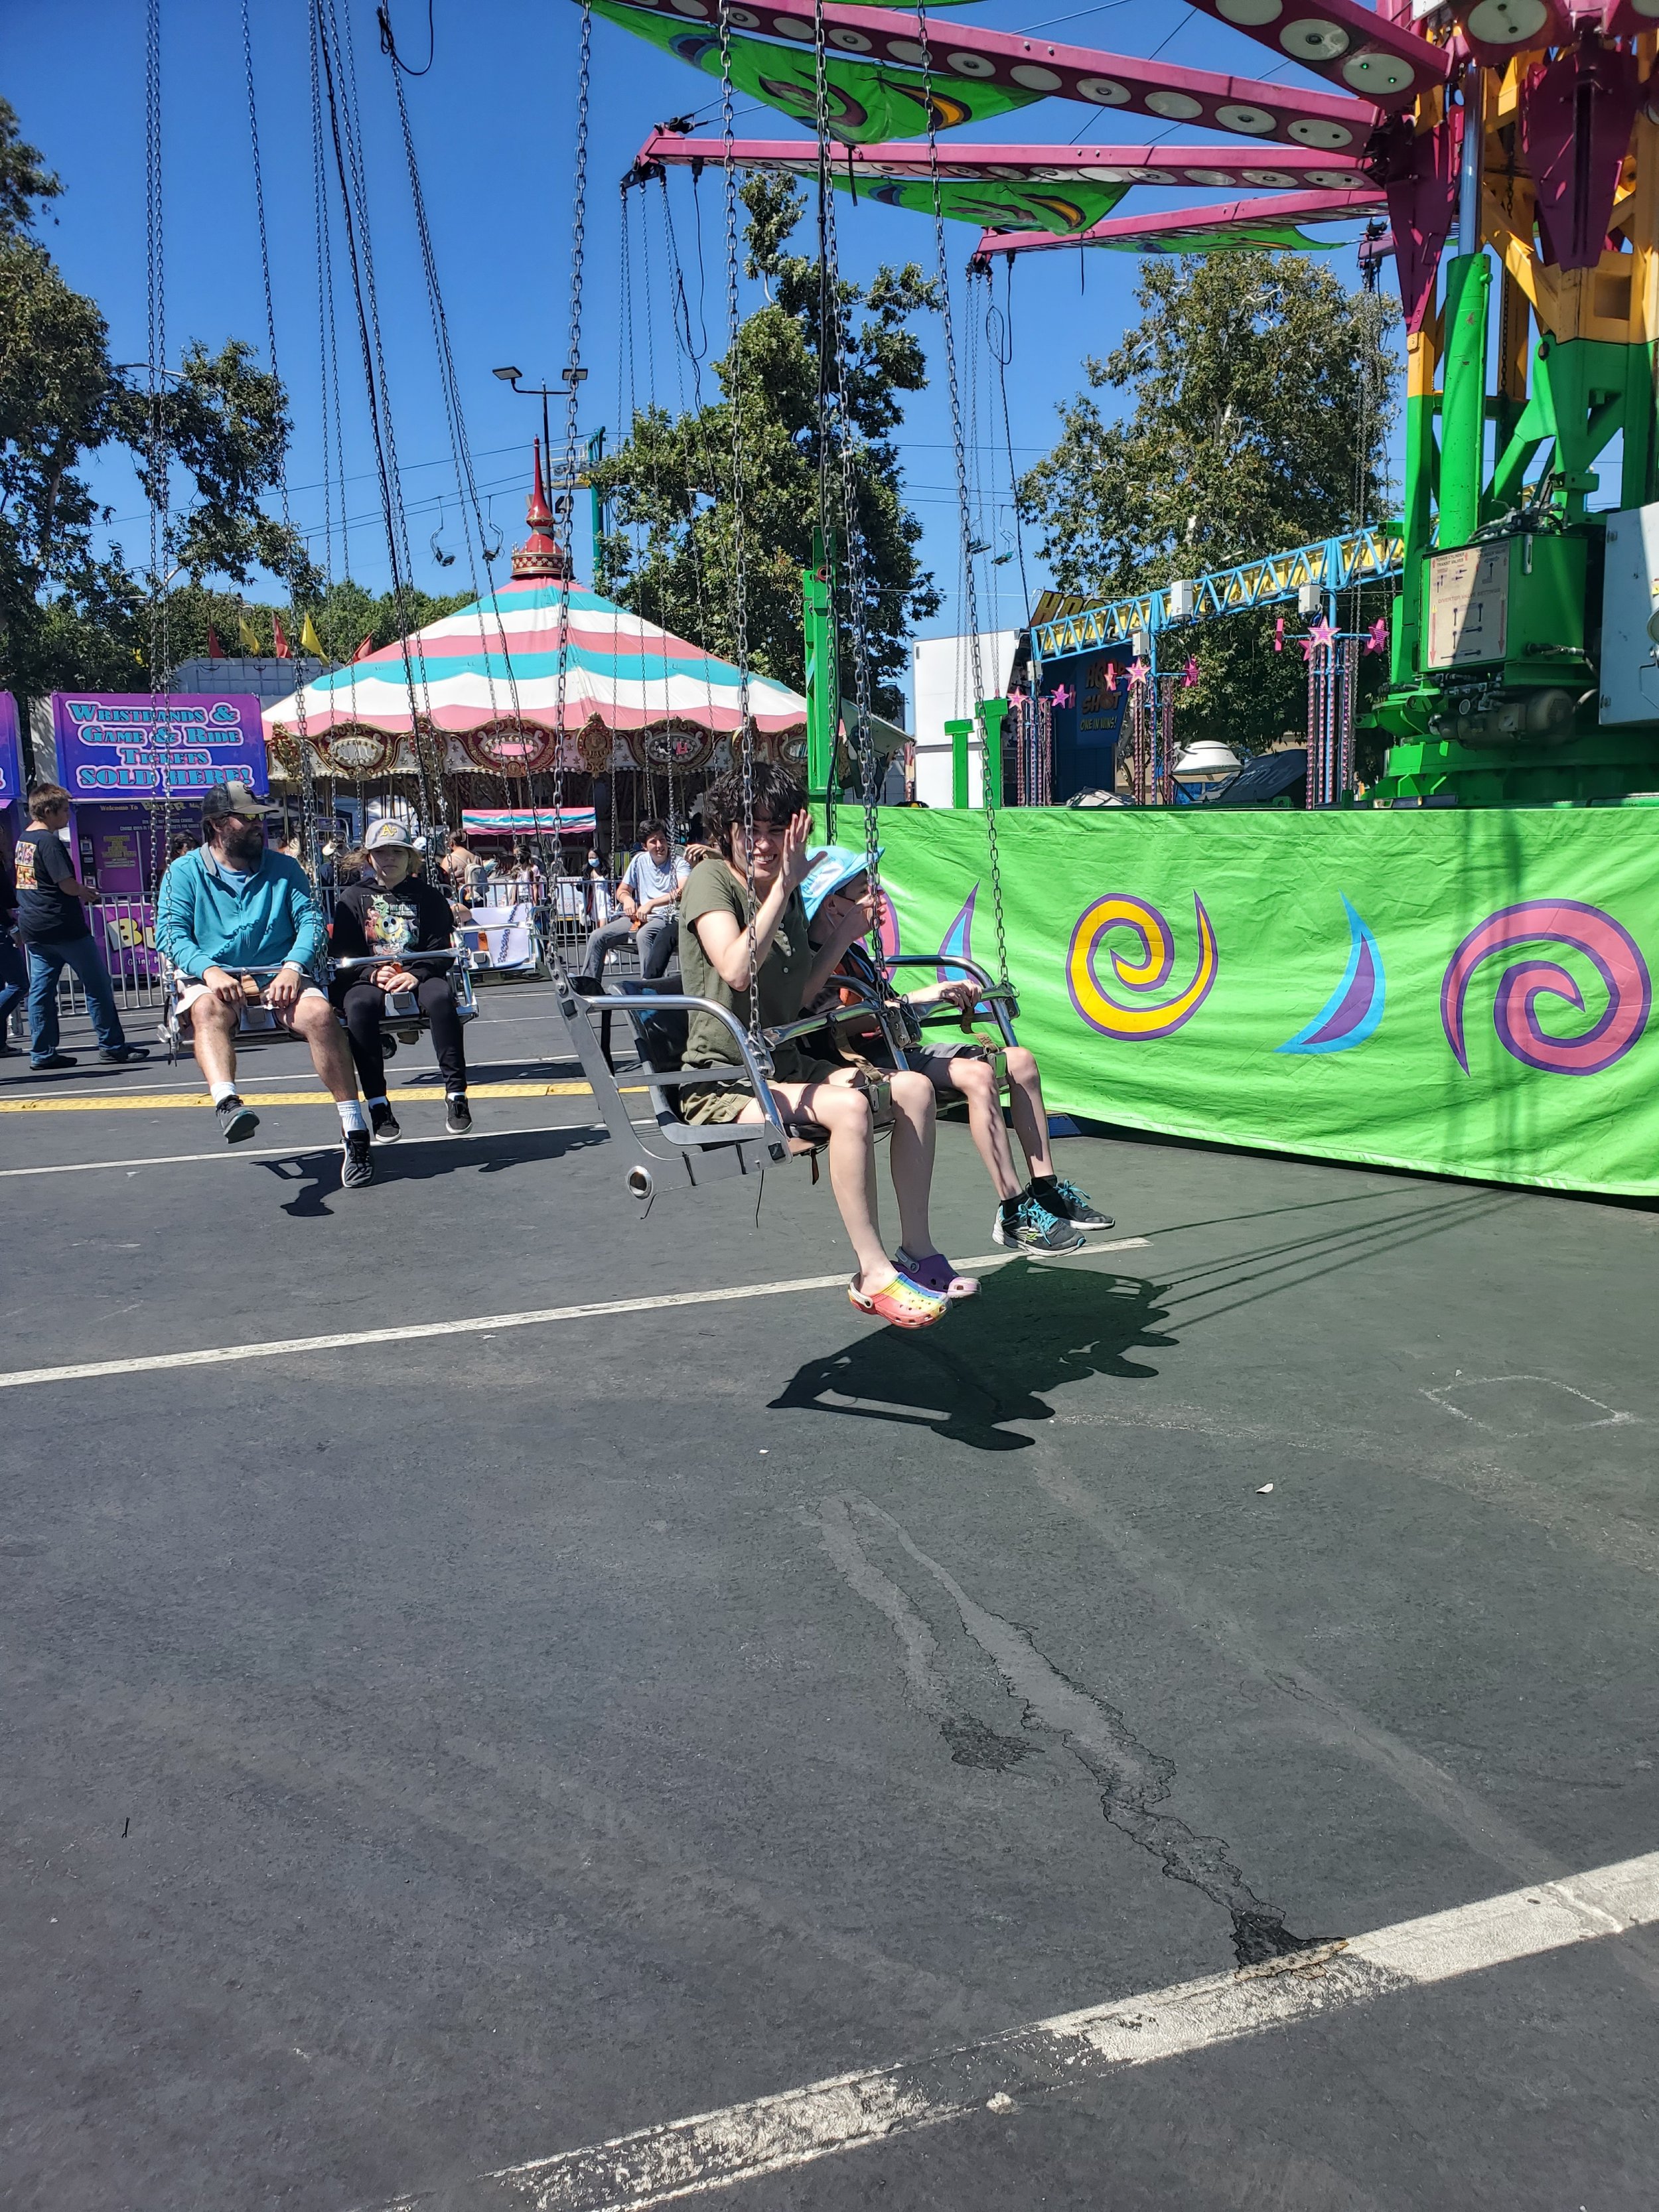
427 1760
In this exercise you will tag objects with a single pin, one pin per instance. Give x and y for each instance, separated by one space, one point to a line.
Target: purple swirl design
1605 944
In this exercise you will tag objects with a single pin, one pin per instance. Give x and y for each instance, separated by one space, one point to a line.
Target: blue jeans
46 963
14 980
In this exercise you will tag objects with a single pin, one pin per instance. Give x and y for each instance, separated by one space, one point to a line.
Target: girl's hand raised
796 840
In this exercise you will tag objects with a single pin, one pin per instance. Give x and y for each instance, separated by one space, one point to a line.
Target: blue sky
494 126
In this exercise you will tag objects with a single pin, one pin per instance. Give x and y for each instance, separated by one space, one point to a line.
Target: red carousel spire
541 555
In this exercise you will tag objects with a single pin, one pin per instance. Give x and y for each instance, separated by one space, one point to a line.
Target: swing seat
402 1017
256 1025
661 1142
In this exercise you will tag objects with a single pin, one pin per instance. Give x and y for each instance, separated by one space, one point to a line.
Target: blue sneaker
1076 1207
1034 1228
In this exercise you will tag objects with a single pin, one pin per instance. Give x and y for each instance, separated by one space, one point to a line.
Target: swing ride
1521 670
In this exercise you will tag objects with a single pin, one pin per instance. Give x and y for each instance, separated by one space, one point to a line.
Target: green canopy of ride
867 100
1225 238
992 202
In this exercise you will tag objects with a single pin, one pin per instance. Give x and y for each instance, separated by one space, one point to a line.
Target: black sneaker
458 1115
56 1060
1034 1228
126 1052
1076 1207
357 1169
385 1124
236 1121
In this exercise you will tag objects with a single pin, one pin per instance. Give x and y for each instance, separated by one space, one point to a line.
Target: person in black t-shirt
52 908
396 912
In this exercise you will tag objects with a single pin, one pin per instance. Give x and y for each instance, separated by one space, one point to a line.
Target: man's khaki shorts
189 993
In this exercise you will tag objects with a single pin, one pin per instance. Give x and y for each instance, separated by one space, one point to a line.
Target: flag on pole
280 646
215 651
309 639
250 638
365 648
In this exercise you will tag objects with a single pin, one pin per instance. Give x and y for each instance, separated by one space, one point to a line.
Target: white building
942 688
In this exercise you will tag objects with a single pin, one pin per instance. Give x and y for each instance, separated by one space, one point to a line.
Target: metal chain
856 578
308 786
466 481
578 249
339 81
965 511
160 526
740 594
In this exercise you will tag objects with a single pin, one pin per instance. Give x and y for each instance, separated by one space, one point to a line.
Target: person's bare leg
330 1055
844 1113
213 1028
976 1080
916 1125
1030 1116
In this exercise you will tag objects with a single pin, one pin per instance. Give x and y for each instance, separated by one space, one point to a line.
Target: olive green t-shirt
712 888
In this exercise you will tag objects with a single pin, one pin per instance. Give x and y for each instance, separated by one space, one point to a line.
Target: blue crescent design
1354 1009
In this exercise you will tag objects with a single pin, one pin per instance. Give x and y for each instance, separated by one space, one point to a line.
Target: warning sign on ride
141 745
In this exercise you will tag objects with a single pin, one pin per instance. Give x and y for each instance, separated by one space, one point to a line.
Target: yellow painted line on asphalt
429 1095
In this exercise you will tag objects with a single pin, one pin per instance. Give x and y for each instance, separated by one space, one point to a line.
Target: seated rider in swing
1044 1214
714 964
231 906
395 914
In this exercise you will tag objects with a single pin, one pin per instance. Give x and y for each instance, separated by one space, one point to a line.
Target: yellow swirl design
1136 975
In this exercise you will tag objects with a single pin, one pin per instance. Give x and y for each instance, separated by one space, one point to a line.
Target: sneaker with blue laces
1034 1228
1073 1205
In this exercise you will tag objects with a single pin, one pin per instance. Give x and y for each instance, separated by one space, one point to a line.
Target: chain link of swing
160 520
834 429
340 88
739 579
578 253
964 509
308 843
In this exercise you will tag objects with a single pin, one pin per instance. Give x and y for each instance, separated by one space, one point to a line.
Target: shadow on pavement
1034 1328
313 1173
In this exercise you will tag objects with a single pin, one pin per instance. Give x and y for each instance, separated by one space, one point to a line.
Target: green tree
1257 420
70 611
670 481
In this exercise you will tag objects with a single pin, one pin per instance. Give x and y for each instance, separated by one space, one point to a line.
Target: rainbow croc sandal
902 1302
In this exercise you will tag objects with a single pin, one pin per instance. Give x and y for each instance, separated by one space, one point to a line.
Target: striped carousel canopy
497 662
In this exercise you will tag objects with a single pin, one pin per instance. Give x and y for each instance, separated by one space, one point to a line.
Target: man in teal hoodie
230 907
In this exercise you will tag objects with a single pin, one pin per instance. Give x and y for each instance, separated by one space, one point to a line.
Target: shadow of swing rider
1047 1326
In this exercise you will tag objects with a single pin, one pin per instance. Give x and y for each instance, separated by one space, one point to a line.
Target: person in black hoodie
395 911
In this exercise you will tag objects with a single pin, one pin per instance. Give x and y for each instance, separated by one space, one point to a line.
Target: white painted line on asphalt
296 1152
475 1325
773 2135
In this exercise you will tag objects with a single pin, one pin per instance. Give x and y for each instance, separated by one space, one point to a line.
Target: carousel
541 678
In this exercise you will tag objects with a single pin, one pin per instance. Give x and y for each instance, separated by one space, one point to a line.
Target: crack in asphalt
1134 1781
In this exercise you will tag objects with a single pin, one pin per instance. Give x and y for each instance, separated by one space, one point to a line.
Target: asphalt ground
428 1757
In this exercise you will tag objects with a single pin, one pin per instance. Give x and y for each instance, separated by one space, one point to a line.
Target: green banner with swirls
1463 992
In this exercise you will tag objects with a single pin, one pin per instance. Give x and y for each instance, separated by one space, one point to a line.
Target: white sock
221 1091
454 1094
351 1115
382 1100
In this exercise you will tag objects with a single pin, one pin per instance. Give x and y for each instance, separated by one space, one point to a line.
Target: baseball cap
832 870
384 834
224 799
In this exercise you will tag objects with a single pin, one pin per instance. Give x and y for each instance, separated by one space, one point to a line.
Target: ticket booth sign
166 745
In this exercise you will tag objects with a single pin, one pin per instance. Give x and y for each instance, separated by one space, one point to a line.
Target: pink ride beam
1128 231
1180 168
962 53
1345 44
